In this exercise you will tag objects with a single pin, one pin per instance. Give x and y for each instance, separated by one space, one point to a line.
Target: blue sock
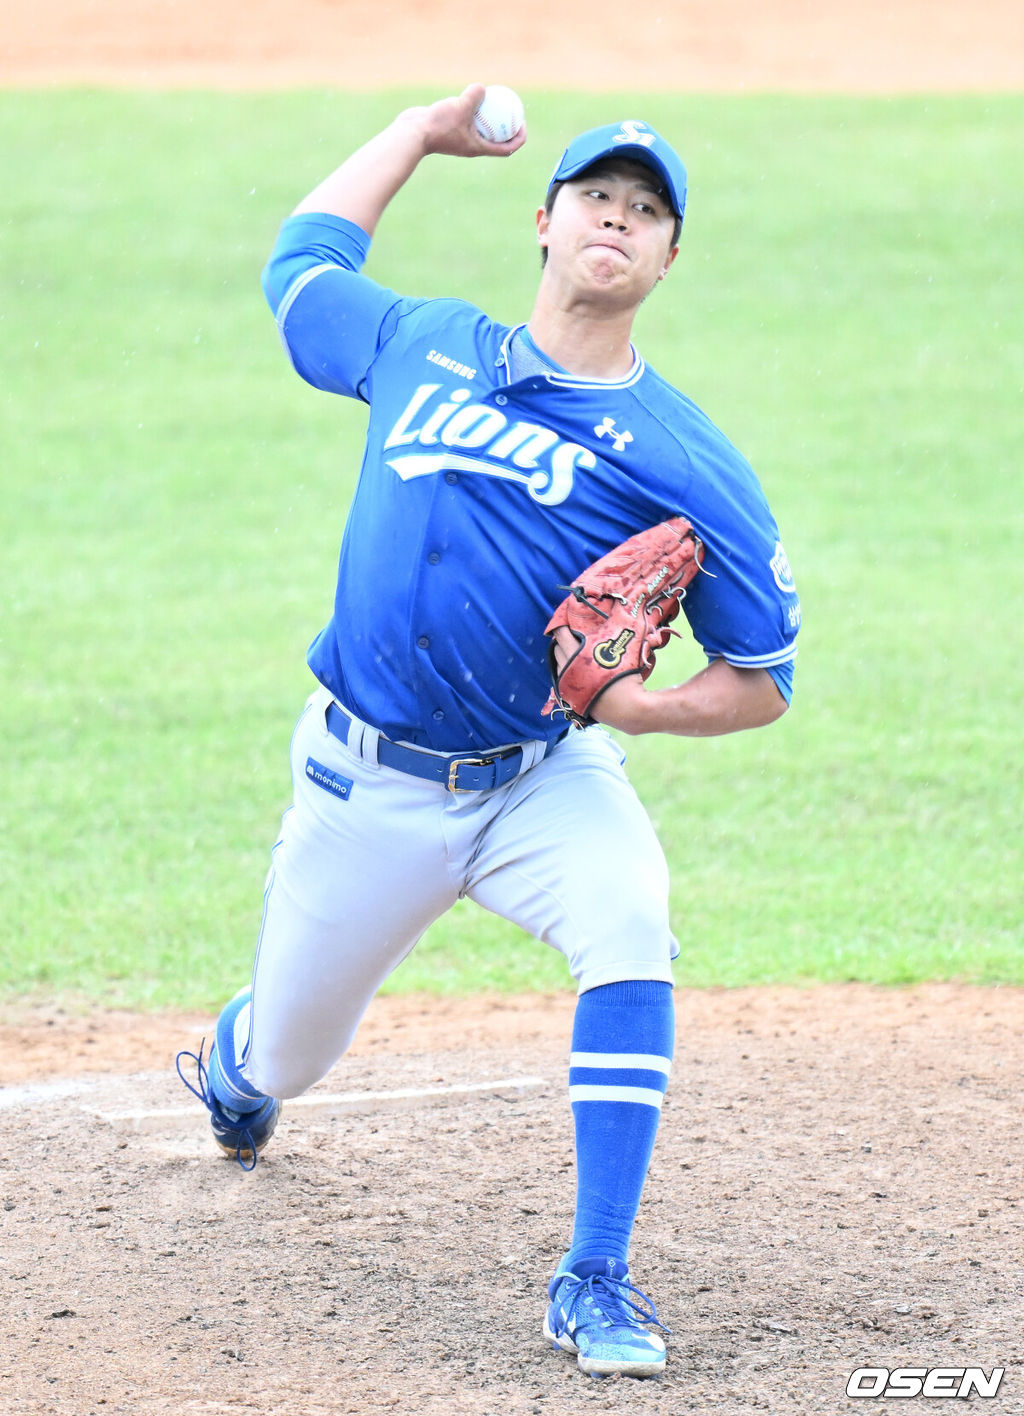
622 1045
231 1039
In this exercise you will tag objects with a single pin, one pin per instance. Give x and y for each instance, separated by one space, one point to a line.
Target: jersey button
423 641
500 400
451 478
434 558
437 714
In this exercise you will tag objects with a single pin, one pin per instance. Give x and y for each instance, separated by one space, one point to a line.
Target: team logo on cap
633 131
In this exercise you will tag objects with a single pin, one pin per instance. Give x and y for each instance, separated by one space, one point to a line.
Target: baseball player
499 462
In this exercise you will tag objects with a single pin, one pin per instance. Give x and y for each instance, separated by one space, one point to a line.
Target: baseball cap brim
632 139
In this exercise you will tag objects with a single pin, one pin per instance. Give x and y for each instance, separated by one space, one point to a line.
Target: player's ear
668 261
543 222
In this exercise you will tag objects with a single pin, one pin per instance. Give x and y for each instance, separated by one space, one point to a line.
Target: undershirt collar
525 360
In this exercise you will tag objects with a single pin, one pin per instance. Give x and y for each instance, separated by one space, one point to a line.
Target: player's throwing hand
448 127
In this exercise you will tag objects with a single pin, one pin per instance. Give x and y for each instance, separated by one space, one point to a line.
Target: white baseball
500 114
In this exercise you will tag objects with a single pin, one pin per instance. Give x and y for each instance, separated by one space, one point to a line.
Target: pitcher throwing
500 462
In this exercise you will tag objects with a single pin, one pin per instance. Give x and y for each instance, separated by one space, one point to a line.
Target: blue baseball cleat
241 1134
598 1314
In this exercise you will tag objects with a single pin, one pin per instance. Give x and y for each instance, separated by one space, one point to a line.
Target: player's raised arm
361 188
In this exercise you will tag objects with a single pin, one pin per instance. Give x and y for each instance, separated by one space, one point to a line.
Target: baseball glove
619 611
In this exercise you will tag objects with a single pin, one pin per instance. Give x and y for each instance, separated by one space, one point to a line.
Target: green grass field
846 305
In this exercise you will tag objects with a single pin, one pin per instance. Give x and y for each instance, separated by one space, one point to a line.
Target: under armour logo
607 429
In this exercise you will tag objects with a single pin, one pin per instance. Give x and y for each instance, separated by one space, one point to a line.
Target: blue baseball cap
631 139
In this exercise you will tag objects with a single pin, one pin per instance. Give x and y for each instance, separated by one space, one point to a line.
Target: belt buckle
453 772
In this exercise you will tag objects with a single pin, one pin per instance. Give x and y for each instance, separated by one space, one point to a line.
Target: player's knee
637 918
633 944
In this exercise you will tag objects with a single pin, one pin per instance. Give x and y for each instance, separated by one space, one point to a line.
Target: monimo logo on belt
332 782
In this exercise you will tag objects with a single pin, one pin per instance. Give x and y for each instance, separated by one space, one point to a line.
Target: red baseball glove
619 611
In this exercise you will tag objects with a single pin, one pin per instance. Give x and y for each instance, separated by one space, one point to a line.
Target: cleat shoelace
615 1299
205 1093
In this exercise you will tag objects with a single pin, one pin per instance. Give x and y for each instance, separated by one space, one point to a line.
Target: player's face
610 231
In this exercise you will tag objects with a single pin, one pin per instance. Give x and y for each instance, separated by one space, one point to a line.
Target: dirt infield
837 1184
838 1176
864 46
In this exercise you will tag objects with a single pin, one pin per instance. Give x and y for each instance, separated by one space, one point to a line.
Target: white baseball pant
565 850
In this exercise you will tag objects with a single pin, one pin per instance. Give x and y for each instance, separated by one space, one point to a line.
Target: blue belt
459 772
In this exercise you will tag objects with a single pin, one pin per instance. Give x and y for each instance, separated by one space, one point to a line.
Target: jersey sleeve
783 676
743 606
332 320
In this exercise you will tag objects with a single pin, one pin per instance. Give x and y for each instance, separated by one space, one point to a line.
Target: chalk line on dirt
82 1088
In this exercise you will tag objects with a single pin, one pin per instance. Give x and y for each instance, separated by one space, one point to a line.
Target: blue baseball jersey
484 490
